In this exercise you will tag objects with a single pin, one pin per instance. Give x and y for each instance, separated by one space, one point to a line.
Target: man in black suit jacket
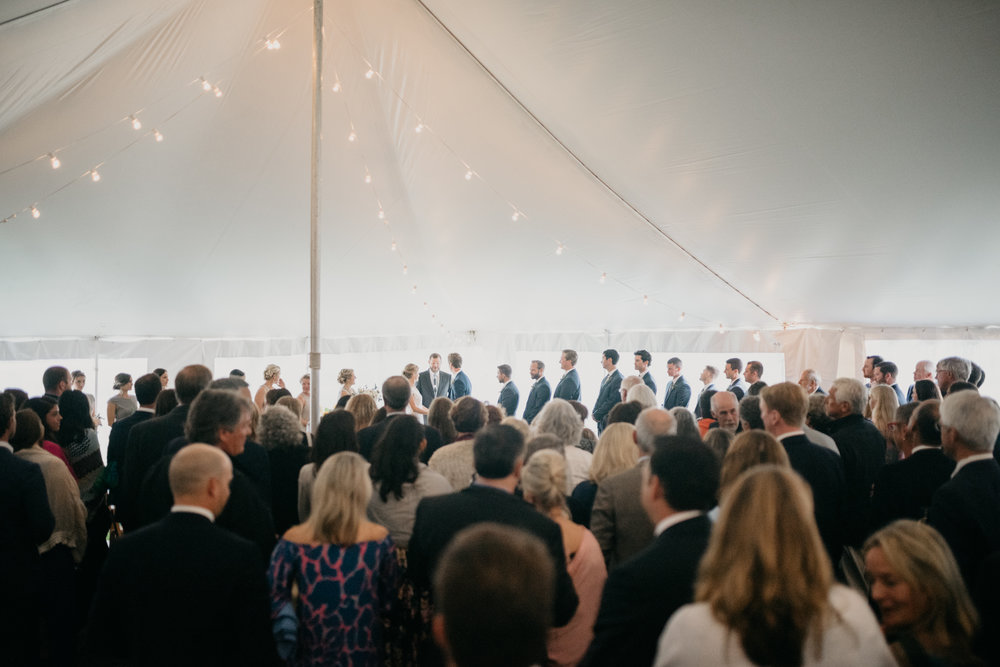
642 361
568 387
540 391
732 372
25 522
966 509
460 383
641 595
396 394
433 382
904 489
184 591
509 395
678 391
499 455
783 410
610 392
148 441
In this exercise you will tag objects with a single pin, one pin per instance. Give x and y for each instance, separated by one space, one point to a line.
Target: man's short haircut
789 400
237 373
212 410
506 370
675 361
876 359
735 363
28 431
19 396
651 424
812 376
396 392
147 388
539 363
53 375
644 355
229 384
625 412
926 423
977 375
495 589
705 403
612 355
756 367
191 381
468 414
756 388
192 467
713 371
159 372
6 411
888 368
274 395
962 386
975 418
719 396
571 356
750 412
688 471
581 410
434 355
852 391
496 449
455 359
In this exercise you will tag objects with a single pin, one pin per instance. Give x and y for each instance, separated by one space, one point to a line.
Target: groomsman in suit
433 382
509 396
732 373
868 369
642 361
707 377
540 391
569 385
460 384
885 373
610 393
753 372
678 392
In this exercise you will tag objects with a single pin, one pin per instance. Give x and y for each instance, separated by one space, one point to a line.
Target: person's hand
281 383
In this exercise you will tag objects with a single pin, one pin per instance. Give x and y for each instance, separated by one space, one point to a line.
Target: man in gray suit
618 521
433 382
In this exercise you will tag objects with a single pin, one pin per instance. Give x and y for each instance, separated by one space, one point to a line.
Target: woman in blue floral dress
343 568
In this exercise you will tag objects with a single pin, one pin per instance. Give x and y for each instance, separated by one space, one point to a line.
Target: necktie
434 383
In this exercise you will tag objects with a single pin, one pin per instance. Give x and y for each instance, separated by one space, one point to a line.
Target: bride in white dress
416 404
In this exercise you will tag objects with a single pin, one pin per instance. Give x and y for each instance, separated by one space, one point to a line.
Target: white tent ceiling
749 164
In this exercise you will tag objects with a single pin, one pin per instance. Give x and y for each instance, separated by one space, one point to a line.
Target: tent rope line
583 165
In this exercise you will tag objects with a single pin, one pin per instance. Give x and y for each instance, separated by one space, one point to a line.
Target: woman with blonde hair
272 380
615 452
363 407
345 570
543 479
881 408
439 417
416 405
765 593
749 449
346 378
916 584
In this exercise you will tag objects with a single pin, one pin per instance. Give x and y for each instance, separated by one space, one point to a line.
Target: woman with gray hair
686 425
280 432
272 380
561 419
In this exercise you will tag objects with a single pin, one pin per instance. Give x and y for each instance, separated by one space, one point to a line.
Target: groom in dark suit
509 396
540 391
433 382
569 385
610 393
641 595
460 384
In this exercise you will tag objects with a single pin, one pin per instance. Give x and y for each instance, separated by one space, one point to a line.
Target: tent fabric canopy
750 165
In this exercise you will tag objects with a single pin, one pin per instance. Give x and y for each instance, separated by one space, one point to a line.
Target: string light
370 73
352 136
272 44
559 249
645 300
406 269
136 123
516 216
393 247
425 305
336 87
158 136
680 318
468 175
419 128
604 278
54 160
368 178
414 290
95 175
381 213
756 336
35 213
205 85
722 329
218 91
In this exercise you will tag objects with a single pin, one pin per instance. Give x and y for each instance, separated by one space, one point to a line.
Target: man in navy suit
966 509
610 393
568 387
885 373
642 361
678 391
732 372
708 375
460 384
540 391
433 382
509 396
183 590
641 595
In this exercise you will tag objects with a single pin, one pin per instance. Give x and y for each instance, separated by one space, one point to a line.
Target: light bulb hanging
559 249
370 73
158 136
516 216
645 300
604 278
336 87
756 336
136 123
468 175
95 175
35 213
205 85
54 160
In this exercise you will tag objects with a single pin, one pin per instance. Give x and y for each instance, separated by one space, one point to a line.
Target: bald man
183 590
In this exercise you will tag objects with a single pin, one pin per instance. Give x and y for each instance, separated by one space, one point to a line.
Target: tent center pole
314 245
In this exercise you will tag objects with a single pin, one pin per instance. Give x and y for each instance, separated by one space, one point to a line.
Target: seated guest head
750 413
396 393
766 575
200 475
924 390
977 375
503 619
498 452
749 449
581 410
719 440
683 475
641 394
625 413
630 383
219 417
279 428
494 414
47 410
19 396
809 380
335 433
343 401
340 497
439 417
291 404
925 424
363 407
56 380
468 415
705 403
540 442
272 396
615 452
846 397
558 418
919 590
395 456
816 416
755 388
881 407
969 424
166 401
147 388
784 405
543 479
951 370
190 381
961 386
652 424
518 423
726 410
686 424
8 422
28 432
75 410
237 374
899 428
